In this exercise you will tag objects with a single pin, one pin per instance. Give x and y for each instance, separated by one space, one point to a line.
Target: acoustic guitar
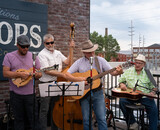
130 94
96 78
19 82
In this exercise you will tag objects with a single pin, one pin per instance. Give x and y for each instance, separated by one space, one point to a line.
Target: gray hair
47 36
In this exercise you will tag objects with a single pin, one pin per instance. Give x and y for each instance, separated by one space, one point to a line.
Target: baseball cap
23 40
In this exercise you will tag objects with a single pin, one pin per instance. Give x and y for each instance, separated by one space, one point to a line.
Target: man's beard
50 48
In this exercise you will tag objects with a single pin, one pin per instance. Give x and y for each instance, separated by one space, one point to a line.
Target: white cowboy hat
141 58
88 46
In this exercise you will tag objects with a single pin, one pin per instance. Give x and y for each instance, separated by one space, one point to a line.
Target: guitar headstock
72 30
128 64
54 67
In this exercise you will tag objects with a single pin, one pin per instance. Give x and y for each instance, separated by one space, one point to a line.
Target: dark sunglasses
23 47
47 43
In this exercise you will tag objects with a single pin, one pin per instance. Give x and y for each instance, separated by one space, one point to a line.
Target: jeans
45 104
22 106
98 107
150 107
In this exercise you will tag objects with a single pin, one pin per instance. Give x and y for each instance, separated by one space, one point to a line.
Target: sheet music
55 88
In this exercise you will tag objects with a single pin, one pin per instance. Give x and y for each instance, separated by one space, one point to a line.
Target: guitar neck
148 95
127 64
103 73
71 56
48 68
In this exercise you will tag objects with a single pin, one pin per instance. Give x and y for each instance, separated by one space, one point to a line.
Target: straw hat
88 46
141 58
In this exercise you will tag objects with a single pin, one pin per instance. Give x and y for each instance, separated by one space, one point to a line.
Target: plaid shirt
130 77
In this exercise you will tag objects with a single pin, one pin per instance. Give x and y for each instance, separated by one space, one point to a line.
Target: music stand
62 89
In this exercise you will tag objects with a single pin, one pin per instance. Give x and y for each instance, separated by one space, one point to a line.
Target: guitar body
72 114
19 82
96 78
109 115
22 82
117 92
95 84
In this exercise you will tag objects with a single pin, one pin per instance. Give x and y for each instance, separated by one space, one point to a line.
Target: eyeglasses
47 43
140 63
23 47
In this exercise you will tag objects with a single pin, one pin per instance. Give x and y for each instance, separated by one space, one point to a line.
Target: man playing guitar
83 65
136 78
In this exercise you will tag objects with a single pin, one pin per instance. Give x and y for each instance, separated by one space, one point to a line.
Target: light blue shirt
83 65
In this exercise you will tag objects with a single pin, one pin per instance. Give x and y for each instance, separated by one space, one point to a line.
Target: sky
116 15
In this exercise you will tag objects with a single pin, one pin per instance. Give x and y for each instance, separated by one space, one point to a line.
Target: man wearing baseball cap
83 65
128 80
21 97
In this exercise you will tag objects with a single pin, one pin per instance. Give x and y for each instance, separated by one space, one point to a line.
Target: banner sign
21 18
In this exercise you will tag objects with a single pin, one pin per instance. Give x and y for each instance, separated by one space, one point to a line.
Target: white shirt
48 59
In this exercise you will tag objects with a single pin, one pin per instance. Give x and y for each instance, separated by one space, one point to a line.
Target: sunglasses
23 47
47 43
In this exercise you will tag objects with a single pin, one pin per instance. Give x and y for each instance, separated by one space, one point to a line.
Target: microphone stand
135 87
34 86
156 91
90 107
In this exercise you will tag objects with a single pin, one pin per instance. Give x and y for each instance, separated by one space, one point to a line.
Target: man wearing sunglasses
49 56
21 97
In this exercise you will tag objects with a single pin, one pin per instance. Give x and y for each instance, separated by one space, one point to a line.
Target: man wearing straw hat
82 65
129 79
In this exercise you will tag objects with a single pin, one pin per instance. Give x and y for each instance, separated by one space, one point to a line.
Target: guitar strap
97 65
150 77
99 69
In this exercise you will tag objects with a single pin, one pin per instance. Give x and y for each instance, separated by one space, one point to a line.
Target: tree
107 45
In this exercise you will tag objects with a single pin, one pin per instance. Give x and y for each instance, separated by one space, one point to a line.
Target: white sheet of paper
71 88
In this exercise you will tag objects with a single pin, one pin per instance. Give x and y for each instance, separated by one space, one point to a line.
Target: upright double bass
67 113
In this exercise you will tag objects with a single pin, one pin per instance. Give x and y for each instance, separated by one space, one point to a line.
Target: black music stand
63 89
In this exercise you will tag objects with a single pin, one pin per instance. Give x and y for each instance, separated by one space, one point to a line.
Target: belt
97 89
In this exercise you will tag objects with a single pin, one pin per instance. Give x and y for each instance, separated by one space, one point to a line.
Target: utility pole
139 43
131 35
143 45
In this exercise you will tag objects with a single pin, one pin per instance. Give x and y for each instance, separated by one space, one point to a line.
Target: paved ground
120 125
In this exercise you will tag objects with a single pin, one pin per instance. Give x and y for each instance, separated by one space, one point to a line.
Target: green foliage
107 45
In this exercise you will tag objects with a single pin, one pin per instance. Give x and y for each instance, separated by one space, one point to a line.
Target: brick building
60 14
122 56
151 52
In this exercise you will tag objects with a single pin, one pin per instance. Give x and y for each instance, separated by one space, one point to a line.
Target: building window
151 50
145 50
135 50
157 50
